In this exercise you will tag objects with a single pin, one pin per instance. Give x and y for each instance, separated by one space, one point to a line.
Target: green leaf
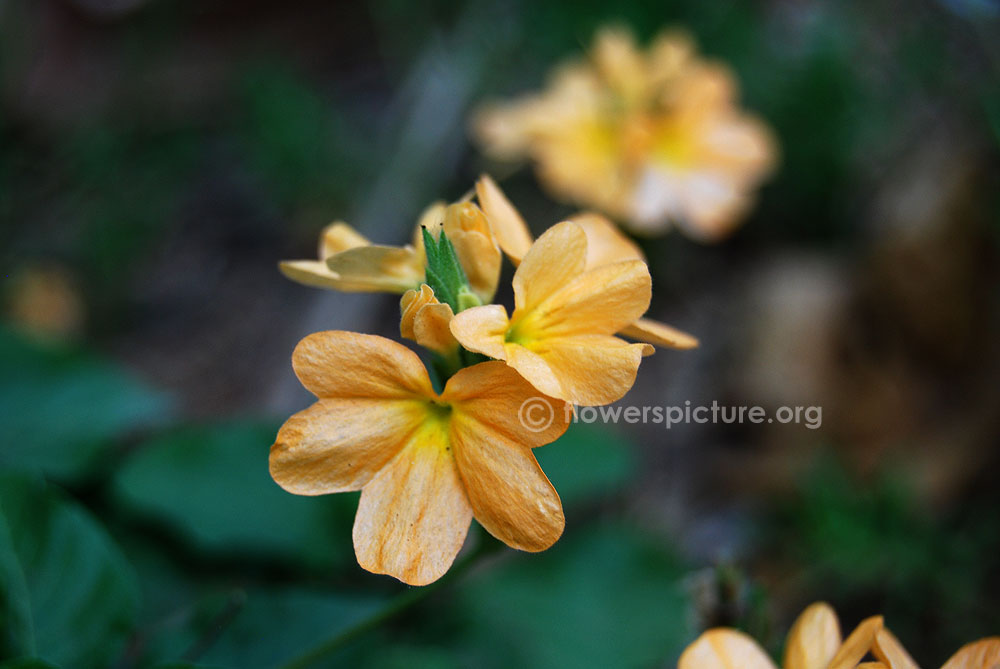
62 408
275 625
603 598
66 593
588 462
211 484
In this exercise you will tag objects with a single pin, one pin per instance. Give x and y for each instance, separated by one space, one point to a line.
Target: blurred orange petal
889 651
659 334
508 227
857 645
982 654
724 649
337 237
374 268
813 639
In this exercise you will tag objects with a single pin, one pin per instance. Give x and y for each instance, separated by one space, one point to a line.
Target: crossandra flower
651 138
426 463
814 642
605 245
427 321
560 336
349 262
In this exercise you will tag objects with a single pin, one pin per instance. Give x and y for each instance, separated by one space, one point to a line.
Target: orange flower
650 138
605 245
814 642
560 336
426 463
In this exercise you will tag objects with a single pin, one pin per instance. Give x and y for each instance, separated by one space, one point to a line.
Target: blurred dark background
157 159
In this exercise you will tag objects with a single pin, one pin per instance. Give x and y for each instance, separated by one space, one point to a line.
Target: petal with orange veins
857 645
494 395
724 649
890 651
602 301
370 269
482 329
510 495
554 260
813 639
509 229
606 243
337 445
659 334
982 654
337 237
590 370
338 364
414 514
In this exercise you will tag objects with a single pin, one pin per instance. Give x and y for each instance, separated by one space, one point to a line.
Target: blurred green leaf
588 462
66 593
275 625
27 663
603 598
62 408
211 483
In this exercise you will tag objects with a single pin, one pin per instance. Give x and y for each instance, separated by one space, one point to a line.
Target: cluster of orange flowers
814 642
428 461
652 138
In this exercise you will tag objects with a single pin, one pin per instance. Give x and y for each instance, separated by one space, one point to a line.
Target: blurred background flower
162 156
650 137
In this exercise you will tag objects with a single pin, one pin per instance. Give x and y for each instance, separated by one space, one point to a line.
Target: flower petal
606 243
857 645
724 649
413 515
426 321
601 301
508 227
338 445
889 651
590 370
390 269
982 654
659 334
337 237
482 329
337 364
313 273
469 232
492 439
813 639
555 259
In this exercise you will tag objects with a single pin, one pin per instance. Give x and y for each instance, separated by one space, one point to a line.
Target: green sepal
444 273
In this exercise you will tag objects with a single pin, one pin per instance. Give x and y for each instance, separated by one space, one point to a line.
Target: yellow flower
350 263
814 642
426 463
560 336
605 244
651 138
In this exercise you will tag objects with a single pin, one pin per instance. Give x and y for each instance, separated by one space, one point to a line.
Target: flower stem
406 600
